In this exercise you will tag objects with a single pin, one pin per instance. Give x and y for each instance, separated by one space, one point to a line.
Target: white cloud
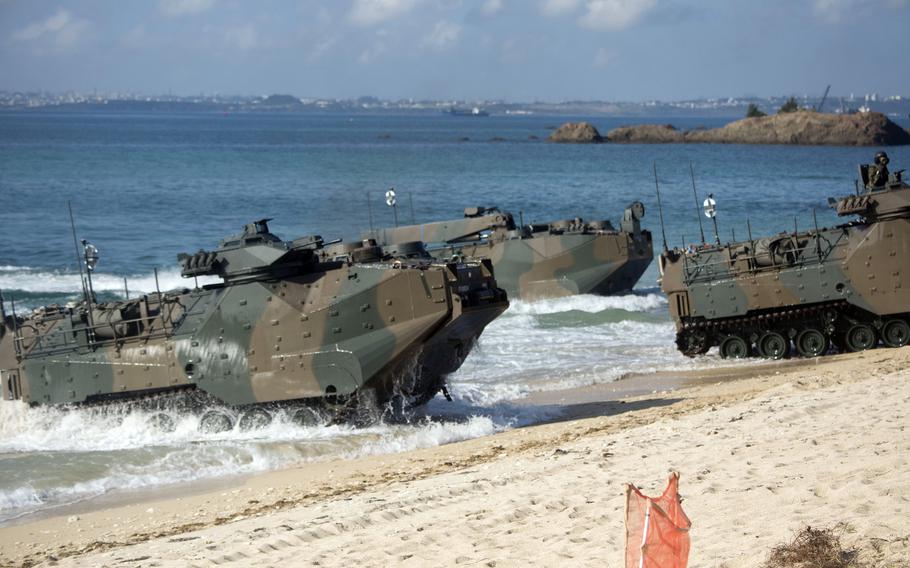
243 38
136 38
177 8
603 58
60 31
321 47
376 50
444 34
834 10
513 51
490 7
614 14
372 53
831 10
371 12
558 7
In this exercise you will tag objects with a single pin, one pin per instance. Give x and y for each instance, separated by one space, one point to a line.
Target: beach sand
763 451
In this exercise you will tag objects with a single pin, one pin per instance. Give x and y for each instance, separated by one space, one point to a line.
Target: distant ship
476 111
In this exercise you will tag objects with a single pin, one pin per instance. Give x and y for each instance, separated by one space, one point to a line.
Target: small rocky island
576 133
803 127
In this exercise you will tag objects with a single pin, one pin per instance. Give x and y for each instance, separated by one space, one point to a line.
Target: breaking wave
69 455
569 342
37 280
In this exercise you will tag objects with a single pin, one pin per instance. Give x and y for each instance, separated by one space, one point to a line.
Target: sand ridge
814 443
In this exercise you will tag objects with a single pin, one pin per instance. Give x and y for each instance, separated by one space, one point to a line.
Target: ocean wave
178 465
589 303
123 451
44 281
518 356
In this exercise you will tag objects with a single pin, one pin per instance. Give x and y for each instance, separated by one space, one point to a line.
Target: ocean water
145 187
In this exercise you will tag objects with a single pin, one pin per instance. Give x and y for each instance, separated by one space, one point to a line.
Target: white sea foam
528 349
52 281
589 303
123 451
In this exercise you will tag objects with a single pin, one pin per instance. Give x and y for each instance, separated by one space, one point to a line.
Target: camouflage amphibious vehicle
847 285
545 260
287 323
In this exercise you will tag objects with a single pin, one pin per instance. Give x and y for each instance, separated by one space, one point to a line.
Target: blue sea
147 186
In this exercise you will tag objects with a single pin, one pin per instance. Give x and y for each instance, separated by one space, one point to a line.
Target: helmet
881 158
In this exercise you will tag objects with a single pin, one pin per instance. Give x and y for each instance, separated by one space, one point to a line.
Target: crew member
878 172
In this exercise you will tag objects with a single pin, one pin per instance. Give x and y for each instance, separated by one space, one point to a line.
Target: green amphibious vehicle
289 323
848 285
544 260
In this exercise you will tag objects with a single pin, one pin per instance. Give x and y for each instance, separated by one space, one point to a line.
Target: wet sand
763 450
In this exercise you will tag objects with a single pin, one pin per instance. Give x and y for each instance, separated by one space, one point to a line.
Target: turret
254 253
875 204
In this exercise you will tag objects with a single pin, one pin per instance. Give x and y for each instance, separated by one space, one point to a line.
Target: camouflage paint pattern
537 261
285 324
828 280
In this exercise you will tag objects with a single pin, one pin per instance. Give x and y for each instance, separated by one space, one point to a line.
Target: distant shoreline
898 109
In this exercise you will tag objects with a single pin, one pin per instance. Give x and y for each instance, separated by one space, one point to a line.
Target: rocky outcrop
800 128
646 134
576 133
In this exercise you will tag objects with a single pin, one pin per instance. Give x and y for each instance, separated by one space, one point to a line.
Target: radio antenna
79 261
370 212
701 227
660 209
818 237
16 344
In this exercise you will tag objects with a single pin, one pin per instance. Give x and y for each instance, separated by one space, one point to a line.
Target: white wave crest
124 451
589 303
51 281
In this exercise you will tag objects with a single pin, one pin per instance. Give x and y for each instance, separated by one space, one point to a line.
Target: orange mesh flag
657 529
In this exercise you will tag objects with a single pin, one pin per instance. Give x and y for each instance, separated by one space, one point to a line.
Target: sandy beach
763 451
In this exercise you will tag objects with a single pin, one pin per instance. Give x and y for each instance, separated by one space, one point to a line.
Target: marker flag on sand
657 529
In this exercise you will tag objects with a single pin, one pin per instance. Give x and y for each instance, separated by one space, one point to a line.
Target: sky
522 51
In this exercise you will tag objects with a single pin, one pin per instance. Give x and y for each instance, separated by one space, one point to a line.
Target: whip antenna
69 206
370 212
660 209
701 227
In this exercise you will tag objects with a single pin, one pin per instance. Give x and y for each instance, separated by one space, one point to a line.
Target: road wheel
773 345
860 337
693 342
307 417
254 419
811 343
162 422
215 421
896 333
734 347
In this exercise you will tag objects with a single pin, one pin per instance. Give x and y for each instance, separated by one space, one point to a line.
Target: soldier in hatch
878 172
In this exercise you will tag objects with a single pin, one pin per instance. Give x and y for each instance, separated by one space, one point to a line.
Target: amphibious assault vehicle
845 286
541 260
287 324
